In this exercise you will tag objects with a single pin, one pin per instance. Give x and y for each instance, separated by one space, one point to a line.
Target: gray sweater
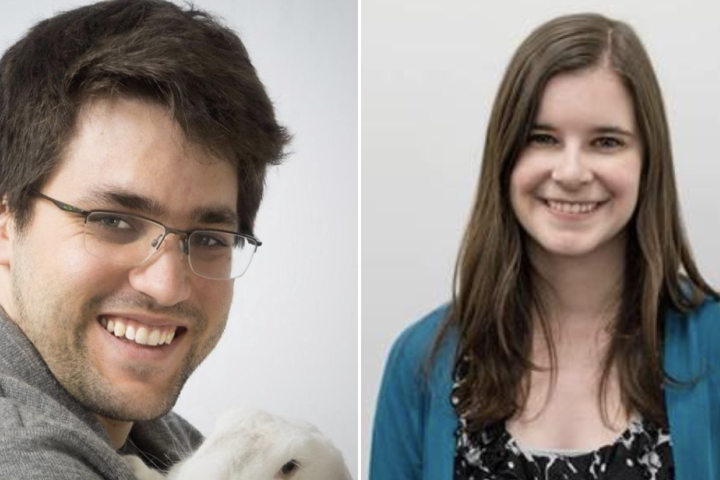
46 434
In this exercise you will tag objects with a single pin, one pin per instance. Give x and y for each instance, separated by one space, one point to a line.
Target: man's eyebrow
126 199
216 215
209 215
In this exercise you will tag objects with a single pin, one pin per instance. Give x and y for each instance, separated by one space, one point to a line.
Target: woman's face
575 185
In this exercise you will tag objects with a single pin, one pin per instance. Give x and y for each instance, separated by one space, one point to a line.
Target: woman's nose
571 169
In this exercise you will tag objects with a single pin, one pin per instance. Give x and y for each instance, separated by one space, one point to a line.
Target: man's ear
7 233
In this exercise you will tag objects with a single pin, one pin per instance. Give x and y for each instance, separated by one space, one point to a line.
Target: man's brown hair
183 59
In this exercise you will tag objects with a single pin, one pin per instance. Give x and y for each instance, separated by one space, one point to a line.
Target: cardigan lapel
688 403
443 423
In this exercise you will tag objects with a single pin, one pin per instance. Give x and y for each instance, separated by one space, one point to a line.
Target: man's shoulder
23 406
40 439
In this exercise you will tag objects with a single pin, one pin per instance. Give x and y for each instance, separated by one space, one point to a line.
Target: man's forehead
130 153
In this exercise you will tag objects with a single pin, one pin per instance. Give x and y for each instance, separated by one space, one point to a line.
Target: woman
582 342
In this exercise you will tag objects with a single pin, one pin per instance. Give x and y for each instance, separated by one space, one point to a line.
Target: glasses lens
119 238
220 255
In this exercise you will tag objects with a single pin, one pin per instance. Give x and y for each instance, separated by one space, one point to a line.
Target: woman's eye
542 139
608 143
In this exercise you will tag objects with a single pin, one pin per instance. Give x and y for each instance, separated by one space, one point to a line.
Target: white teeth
572 207
141 336
120 329
154 337
138 333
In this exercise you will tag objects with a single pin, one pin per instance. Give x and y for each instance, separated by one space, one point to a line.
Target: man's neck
117 430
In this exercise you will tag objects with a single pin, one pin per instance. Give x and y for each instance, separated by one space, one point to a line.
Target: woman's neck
581 296
581 289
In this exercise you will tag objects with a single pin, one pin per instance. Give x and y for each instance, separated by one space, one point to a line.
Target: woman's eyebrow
613 129
600 129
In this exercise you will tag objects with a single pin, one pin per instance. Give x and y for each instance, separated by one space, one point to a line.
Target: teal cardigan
414 427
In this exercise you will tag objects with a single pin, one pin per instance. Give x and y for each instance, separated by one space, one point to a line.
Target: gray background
430 71
291 342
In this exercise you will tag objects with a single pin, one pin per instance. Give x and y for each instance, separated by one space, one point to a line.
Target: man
134 139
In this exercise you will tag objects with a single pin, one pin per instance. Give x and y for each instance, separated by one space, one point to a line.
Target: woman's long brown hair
496 292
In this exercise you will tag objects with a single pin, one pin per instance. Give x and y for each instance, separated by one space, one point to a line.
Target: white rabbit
249 444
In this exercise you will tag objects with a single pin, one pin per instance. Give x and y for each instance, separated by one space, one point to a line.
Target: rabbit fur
250 444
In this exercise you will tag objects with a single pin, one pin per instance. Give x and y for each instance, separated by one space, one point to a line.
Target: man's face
63 297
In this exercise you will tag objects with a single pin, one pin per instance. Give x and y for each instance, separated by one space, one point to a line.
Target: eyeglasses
127 239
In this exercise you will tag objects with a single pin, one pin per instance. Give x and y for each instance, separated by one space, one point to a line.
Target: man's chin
137 410
129 403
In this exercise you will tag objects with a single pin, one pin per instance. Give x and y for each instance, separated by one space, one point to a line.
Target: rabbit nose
289 467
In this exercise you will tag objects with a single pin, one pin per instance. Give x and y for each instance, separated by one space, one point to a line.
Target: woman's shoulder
692 343
417 341
417 361
703 318
710 310
707 320
694 334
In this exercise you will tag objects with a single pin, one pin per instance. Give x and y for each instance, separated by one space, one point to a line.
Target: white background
291 342
430 71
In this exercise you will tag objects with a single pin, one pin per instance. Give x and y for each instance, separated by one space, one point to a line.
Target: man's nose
165 276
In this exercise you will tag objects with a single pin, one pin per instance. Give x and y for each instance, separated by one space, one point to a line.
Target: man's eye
209 240
608 143
112 221
542 139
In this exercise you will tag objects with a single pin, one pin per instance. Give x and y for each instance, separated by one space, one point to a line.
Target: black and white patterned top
642 452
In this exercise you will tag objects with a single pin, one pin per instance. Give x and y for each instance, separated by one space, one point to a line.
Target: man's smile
140 333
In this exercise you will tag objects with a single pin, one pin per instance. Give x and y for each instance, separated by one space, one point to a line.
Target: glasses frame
183 234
